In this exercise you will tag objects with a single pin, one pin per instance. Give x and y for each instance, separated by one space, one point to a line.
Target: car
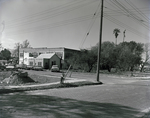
29 67
10 68
55 68
21 66
38 68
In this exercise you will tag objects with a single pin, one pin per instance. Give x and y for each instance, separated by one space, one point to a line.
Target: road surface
116 98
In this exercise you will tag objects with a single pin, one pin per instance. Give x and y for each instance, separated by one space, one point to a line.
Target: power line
137 10
76 20
110 18
60 7
90 27
122 7
53 25
81 19
50 16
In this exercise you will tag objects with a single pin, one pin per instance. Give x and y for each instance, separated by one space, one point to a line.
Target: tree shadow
41 106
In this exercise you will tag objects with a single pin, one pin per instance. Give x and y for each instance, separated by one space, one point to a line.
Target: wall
37 61
55 59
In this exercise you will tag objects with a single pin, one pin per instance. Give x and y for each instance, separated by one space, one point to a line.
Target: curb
67 84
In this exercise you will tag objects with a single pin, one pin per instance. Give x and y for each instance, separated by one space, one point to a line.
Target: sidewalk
69 82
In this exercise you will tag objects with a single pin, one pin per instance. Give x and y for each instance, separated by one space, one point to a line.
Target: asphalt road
118 97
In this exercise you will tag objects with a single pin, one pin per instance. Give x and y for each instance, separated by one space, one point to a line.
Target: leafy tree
87 59
107 55
129 55
116 31
25 44
5 54
147 55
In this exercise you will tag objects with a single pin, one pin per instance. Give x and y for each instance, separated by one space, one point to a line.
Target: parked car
38 68
29 67
55 68
11 67
21 66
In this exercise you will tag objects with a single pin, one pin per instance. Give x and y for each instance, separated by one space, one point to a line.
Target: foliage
125 56
108 59
129 55
25 44
71 58
5 54
116 31
88 59
147 56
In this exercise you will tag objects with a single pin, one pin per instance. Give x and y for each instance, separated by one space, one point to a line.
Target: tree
25 44
85 59
129 55
147 55
88 59
107 55
116 31
5 54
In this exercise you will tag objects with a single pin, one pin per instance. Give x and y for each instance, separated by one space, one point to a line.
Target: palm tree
116 32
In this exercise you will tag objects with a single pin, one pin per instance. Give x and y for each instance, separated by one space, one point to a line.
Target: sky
72 24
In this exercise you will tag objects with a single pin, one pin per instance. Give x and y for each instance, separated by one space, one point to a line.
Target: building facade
29 56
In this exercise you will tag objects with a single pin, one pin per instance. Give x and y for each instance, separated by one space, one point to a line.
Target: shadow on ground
40 106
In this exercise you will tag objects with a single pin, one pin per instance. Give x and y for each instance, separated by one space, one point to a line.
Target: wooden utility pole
100 41
124 35
18 53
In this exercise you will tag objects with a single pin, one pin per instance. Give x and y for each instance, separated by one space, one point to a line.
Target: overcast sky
66 23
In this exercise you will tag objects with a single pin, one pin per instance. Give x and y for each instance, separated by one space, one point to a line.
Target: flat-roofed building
27 55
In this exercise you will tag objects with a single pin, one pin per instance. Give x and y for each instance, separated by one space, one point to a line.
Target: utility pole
23 56
100 41
18 53
124 35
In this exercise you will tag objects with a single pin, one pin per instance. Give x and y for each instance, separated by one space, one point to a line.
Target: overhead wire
90 27
138 19
80 19
117 22
122 7
76 20
60 7
113 12
137 10
53 25
50 16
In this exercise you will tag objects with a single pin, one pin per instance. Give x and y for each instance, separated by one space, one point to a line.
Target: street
116 98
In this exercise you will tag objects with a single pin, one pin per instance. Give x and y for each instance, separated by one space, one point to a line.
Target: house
27 55
45 60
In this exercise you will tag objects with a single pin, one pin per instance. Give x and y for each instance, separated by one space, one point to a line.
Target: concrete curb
67 83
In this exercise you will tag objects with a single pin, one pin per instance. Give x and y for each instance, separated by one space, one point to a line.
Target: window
53 62
39 63
30 55
21 54
31 63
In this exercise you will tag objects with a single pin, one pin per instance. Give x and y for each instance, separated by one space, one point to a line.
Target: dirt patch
17 78
11 78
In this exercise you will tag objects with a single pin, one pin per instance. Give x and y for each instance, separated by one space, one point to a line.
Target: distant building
41 56
45 60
